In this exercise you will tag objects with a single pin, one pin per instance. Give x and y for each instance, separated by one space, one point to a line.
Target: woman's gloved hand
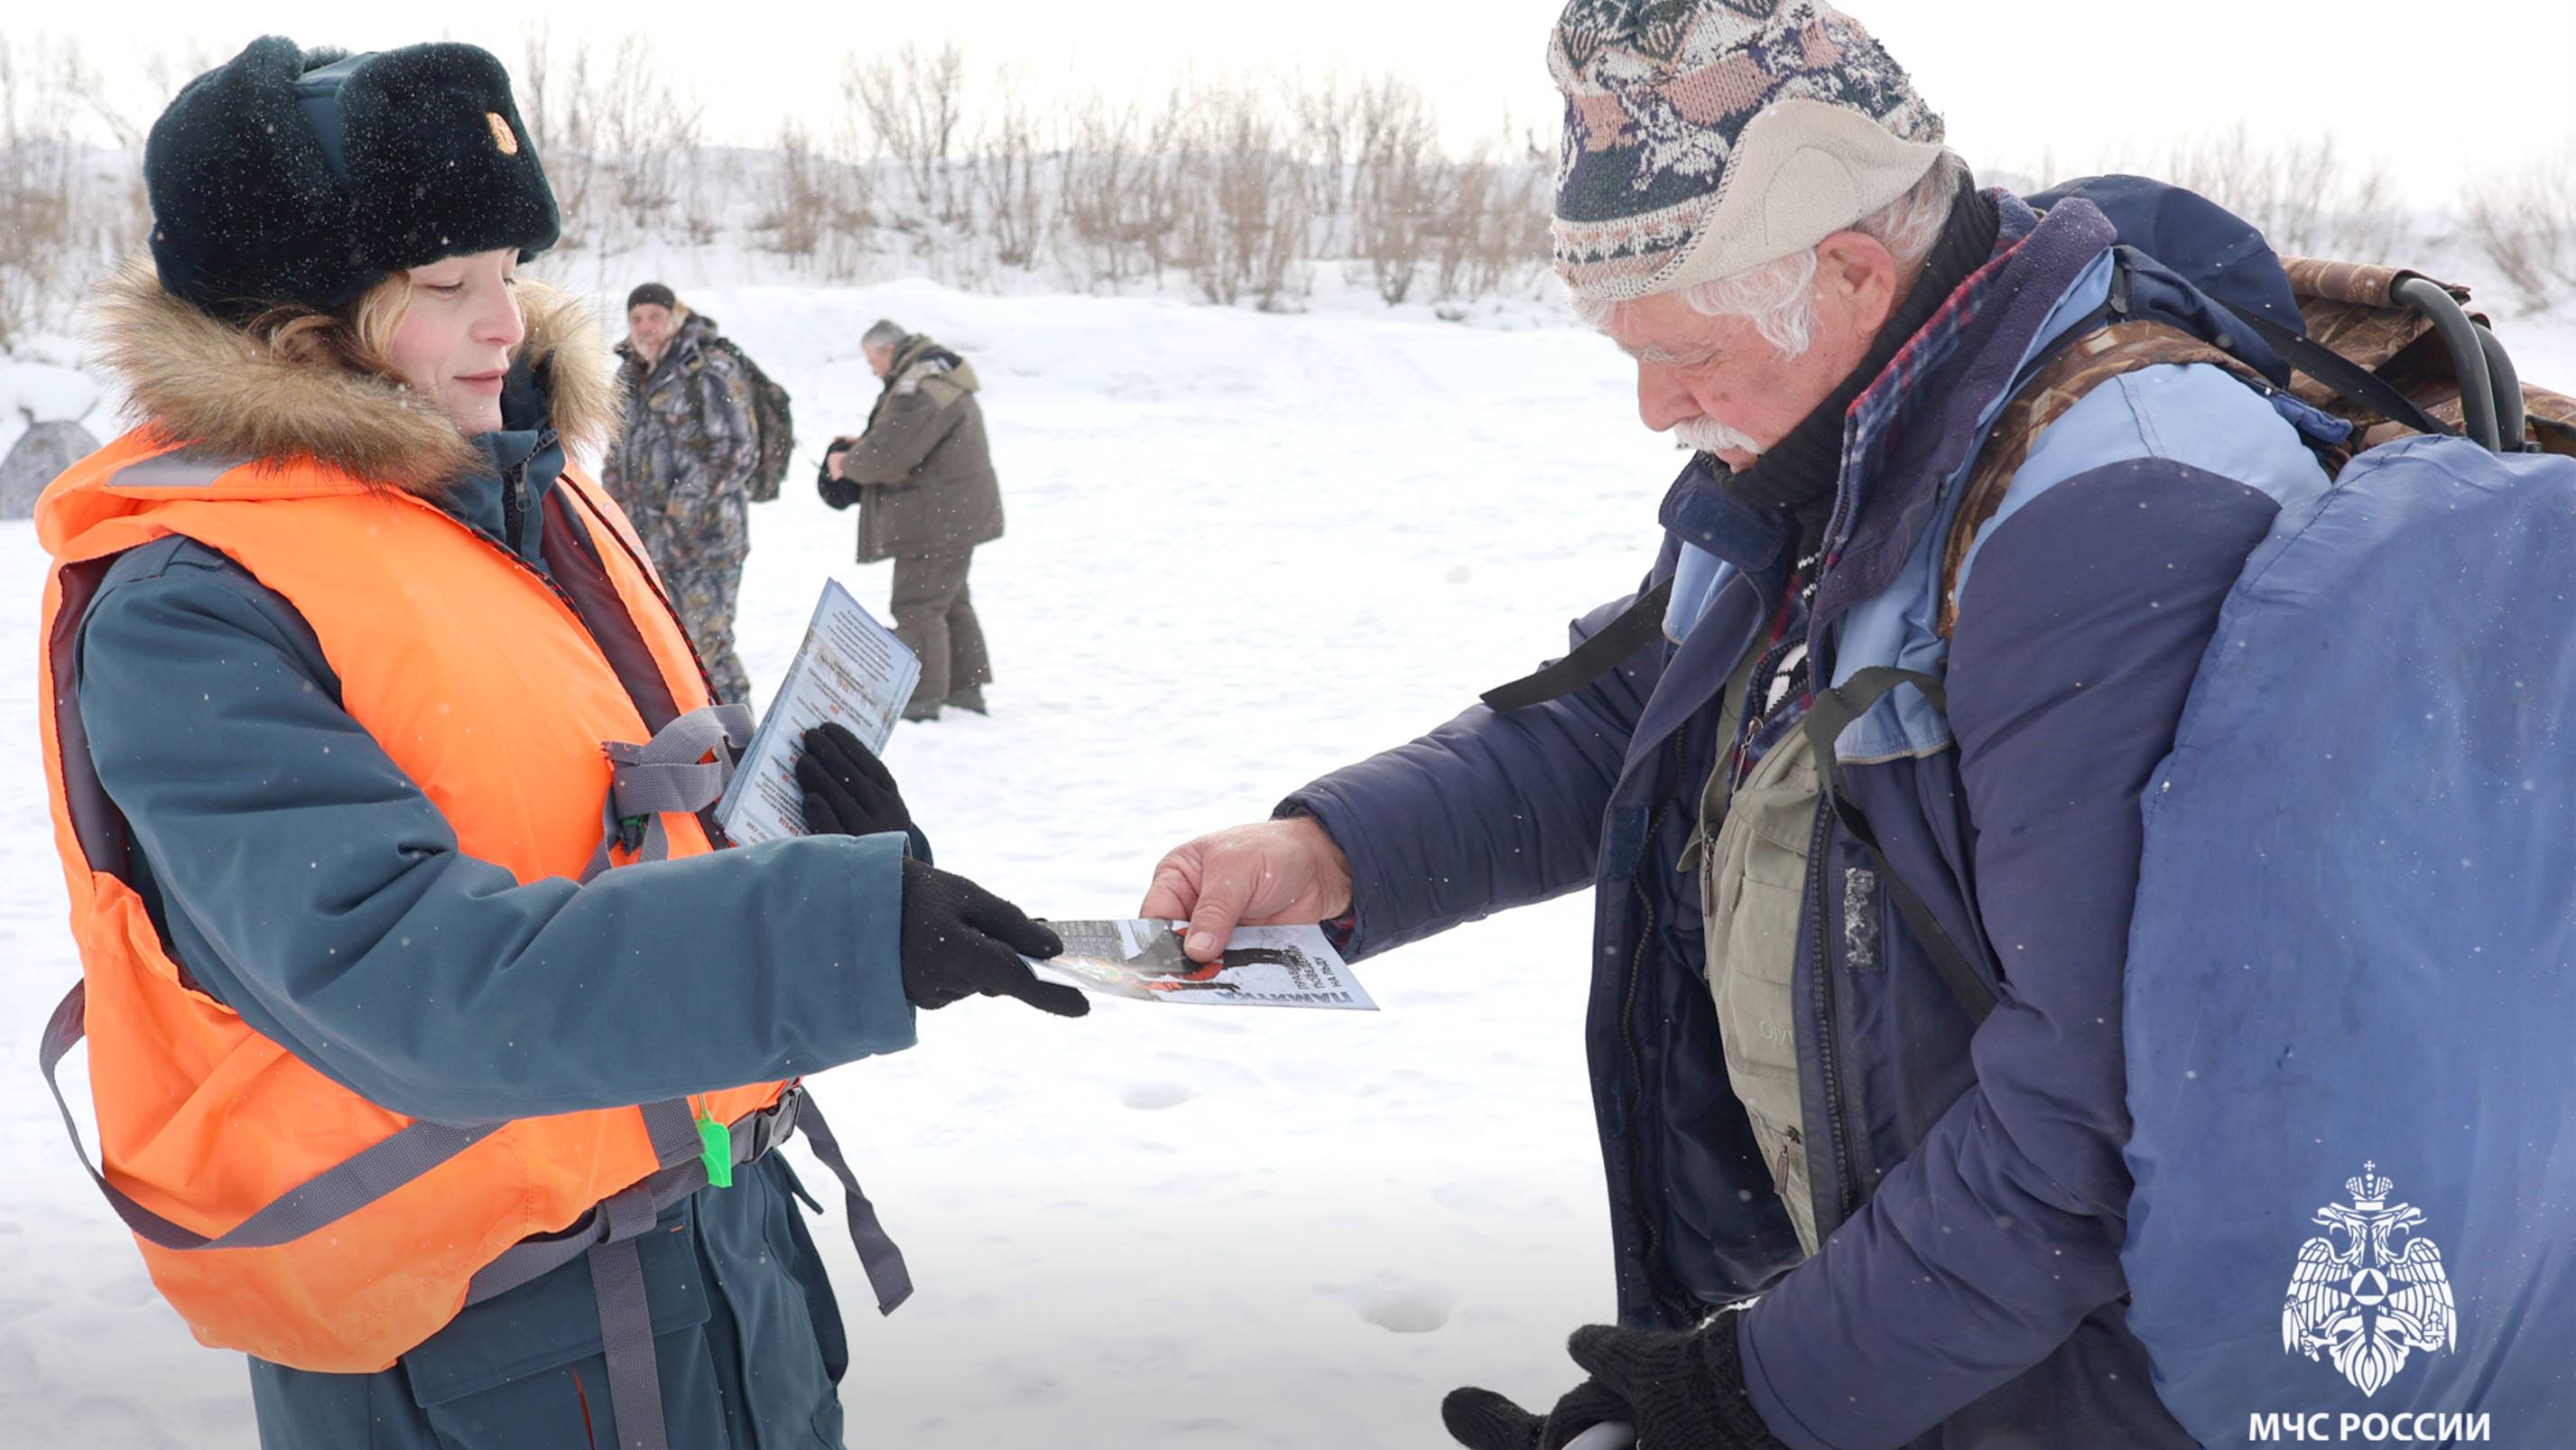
848 792
960 940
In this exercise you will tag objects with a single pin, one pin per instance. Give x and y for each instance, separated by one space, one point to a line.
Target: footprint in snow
130 1290
1153 1097
1403 1304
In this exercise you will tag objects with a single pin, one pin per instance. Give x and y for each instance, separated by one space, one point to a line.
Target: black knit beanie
654 294
294 176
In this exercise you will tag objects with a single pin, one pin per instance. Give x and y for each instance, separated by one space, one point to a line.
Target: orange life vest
484 685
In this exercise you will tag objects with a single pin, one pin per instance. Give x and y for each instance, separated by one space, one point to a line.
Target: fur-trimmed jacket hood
203 380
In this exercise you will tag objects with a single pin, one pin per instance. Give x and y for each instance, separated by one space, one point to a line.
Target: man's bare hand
839 455
1276 873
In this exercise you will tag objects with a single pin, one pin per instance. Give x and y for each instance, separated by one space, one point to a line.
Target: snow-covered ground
1242 549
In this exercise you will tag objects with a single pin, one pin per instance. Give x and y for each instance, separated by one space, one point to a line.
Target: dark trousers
934 615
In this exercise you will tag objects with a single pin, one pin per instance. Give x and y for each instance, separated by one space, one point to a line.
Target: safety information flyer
850 669
1263 966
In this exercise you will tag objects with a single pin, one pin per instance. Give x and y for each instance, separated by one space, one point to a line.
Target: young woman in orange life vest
437 1052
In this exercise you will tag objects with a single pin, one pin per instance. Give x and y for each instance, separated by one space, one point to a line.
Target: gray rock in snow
42 452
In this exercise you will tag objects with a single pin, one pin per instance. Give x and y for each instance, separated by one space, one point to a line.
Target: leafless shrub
1017 209
1163 184
708 178
2306 196
1493 221
794 212
613 133
1242 217
68 209
814 205
1520 211
915 104
2304 193
1109 193
1463 227
1231 188
1399 181
2524 222
167 68
1329 145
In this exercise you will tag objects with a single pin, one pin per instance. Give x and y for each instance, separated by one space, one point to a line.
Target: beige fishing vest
1751 853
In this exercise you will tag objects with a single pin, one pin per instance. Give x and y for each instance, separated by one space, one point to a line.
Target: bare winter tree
915 103
1242 222
168 67
814 205
1494 228
2524 223
1009 156
793 211
1398 185
616 136
68 207
1235 186
1109 234
1162 184
535 84
2308 198
1328 138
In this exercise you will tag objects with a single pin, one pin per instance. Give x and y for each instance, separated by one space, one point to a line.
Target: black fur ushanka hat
298 176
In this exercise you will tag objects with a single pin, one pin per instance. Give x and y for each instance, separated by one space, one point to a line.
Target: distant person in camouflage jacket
682 472
922 477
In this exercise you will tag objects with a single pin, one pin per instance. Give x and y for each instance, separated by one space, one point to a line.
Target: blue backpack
2351 996
2351 984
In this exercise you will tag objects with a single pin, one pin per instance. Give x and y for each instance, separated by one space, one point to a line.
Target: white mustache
1711 436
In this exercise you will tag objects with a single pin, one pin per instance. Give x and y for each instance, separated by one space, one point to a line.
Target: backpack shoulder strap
2053 391
1828 717
750 370
2091 359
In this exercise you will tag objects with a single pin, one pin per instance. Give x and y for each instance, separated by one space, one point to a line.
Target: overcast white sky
2439 90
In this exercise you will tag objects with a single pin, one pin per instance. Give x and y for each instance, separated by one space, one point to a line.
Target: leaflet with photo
1263 966
850 669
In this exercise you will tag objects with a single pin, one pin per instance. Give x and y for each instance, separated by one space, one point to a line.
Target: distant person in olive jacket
923 480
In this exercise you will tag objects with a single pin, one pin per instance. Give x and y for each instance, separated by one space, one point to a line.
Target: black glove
840 493
848 792
960 940
1679 1391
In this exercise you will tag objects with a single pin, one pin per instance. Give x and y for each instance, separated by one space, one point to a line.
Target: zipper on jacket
1675 1310
517 500
514 505
1828 1049
1761 707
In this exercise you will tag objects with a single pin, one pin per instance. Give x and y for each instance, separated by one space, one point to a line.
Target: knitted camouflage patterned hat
1705 137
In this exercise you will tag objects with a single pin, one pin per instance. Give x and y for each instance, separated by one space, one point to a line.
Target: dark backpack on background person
777 424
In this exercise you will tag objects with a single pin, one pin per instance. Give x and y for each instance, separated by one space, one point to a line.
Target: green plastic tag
719 1152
